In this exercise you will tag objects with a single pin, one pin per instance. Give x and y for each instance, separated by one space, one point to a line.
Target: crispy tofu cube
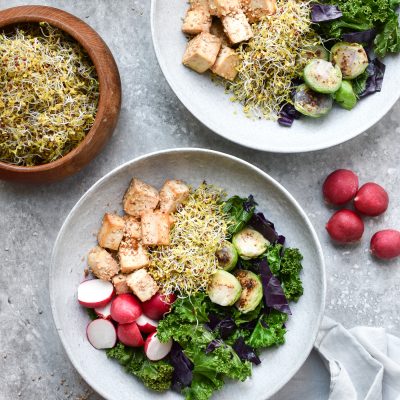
226 7
132 256
102 264
196 21
111 231
140 197
132 229
142 284
237 27
256 9
155 228
120 284
172 195
218 30
226 64
212 6
201 52
196 4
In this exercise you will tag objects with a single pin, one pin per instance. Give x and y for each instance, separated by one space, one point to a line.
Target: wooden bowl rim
96 50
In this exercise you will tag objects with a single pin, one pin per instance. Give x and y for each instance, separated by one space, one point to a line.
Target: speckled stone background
361 290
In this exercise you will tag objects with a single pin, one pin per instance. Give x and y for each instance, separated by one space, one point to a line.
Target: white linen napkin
362 363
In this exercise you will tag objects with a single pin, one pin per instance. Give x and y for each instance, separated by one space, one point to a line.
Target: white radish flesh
146 325
95 293
101 334
104 312
154 349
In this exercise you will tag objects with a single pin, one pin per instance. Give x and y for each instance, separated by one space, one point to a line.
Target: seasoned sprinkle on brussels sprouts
311 103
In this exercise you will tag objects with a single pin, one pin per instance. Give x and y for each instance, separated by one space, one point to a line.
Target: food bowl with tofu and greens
280 61
191 289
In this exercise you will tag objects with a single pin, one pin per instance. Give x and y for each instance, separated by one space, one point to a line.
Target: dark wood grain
109 101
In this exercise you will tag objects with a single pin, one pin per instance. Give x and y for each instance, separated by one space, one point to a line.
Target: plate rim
52 270
361 127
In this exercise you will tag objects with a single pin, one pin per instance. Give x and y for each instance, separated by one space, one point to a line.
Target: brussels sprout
322 76
227 256
224 289
351 59
311 103
249 243
252 291
345 96
312 52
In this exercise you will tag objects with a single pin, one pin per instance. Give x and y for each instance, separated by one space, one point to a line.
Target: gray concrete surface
360 290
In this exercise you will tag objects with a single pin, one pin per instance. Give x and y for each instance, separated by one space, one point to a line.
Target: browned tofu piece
120 284
212 7
132 229
218 30
102 264
201 52
256 9
172 195
196 21
111 231
226 64
142 284
225 7
132 256
140 197
155 228
237 27
196 4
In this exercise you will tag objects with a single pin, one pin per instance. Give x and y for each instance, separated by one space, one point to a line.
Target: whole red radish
345 226
101 334
158 305
371 200
95 293
156 350
340 187
386 244
146 325
129 335
125 308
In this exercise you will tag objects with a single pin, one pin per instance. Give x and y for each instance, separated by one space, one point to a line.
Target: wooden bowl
109 101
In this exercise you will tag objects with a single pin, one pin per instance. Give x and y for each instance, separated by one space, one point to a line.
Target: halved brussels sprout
351 59
224 289
252 291
311 103
250 243
345 96
322 76
312 52
227 256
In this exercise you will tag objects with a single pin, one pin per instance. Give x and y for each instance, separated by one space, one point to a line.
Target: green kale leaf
240 211
289 274
201 388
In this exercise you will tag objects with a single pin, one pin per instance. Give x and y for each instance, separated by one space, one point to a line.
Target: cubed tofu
102 264
201 52
237 27
218 30
140 197
111 232
222 8
256 9
155 228
212 6
199 4
226 64
172 195
196 21
132 229
132 256
142 285
120 284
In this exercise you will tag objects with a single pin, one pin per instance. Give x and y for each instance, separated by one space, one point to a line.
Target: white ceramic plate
77 236
212 106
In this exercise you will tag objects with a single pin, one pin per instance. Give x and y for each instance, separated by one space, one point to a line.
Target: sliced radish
146 325
154 349
125 309
95 293
129 335
158 305
104 312
101 334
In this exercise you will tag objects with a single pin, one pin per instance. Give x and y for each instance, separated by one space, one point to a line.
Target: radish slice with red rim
101 334
154 349
95 293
